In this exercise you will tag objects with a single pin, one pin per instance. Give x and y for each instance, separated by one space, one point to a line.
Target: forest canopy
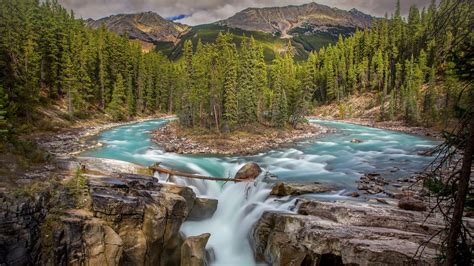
47 55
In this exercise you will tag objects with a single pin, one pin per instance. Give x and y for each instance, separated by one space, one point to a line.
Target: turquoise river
332 158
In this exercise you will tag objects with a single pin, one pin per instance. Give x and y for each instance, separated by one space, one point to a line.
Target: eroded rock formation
345 233
130 219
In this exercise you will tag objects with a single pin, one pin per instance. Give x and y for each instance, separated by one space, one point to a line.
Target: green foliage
4 126
342 111
116 107
438 187
78 190
224 83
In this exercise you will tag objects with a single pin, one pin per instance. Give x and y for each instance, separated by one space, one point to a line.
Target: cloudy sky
206 11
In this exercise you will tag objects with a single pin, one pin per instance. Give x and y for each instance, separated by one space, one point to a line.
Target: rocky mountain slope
311 26
148 27
281 20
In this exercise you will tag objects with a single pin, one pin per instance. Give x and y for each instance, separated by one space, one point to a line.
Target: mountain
310 26
148 27
283 21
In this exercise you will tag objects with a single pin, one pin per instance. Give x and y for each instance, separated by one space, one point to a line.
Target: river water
330 159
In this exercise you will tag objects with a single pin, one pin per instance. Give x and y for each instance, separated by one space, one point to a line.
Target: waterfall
239 207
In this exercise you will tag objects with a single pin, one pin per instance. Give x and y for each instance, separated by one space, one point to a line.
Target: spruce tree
3 115
69 82
231 108
116 108
429 104
279 101
131 105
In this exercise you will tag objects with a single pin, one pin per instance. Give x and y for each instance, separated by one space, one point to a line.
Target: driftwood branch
156 167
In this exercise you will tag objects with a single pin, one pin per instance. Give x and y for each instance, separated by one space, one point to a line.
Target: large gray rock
411 204
203 208
327 233
248 171
282 189
193 250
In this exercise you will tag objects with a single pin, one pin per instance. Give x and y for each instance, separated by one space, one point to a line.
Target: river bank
78 139
399 126
172 138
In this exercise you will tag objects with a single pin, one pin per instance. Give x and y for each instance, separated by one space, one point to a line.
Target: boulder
248 171
282 189
356 141
353 194
203 208
411 204
193 250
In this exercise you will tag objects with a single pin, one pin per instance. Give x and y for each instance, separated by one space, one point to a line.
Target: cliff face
281 20
116 219
148 27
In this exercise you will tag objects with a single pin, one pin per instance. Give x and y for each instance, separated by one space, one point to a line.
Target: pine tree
429 105
3 115
248 89
279 101
116 107
392 105
185 113
131 105
231 108
69 82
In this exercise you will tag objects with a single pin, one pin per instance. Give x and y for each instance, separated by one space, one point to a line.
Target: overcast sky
206 11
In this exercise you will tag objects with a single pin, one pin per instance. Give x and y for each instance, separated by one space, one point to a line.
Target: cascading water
331 158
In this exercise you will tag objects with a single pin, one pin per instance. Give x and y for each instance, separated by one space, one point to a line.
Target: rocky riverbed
174 139
76 140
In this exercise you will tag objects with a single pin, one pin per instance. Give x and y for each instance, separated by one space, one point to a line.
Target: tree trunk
462 190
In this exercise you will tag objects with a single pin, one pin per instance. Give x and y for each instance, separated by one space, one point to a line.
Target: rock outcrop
338 233
147 26
21 219
193 250
145 214
131 219
282 189
281 20
248 171
203 208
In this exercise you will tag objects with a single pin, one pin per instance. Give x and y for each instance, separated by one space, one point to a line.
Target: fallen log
156 167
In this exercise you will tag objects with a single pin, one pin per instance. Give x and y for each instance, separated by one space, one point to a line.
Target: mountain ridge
281 20
310 26
148 26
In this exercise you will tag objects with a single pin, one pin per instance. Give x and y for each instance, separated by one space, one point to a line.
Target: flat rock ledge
346 233
171 139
